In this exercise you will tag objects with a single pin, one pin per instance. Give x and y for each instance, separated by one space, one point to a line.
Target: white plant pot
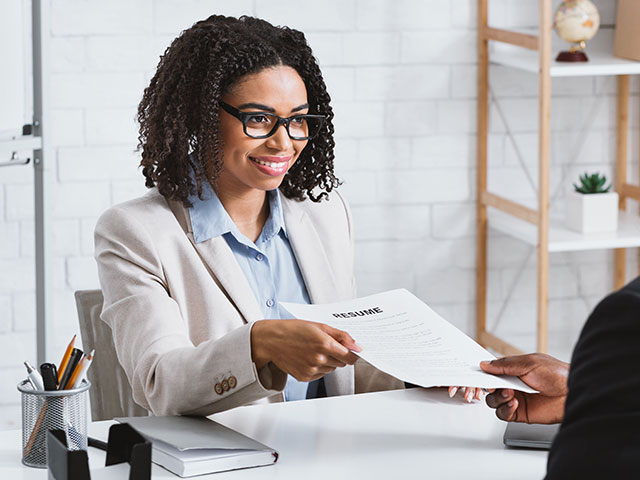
593 212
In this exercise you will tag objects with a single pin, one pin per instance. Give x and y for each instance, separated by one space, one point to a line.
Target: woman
237 145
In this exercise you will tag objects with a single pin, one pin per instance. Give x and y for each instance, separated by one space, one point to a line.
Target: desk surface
400 434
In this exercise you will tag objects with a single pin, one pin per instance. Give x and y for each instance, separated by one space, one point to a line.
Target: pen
73 435
38 384
34 377
86 363
49 376
74 358
65 359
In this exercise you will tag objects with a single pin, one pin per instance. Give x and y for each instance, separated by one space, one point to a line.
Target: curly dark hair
178 114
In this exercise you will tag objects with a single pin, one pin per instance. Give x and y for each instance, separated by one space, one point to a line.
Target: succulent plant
593 183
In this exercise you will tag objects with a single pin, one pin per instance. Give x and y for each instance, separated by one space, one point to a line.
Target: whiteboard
16 105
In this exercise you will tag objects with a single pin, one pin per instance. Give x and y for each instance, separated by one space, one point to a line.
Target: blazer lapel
305 243
310 254
221 263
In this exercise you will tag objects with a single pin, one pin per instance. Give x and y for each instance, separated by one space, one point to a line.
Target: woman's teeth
270 164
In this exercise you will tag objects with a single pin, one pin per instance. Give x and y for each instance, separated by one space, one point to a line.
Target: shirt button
270 303
259 257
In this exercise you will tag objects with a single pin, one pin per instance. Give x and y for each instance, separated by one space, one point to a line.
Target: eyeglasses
263 125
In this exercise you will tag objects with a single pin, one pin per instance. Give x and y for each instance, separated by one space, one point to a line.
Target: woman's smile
272 165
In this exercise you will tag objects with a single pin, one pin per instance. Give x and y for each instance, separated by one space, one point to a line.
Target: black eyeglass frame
245 116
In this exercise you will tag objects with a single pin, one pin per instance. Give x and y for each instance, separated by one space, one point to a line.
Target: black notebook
190 446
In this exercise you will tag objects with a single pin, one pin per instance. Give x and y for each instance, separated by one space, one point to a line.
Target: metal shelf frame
37 143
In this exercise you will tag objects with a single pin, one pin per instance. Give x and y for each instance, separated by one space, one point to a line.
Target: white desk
388 435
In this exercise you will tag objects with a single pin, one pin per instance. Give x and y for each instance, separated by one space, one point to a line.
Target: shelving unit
21 147
532 53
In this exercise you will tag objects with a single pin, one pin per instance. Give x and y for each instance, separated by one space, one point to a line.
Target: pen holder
65 410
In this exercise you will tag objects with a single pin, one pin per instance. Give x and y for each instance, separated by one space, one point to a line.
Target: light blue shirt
268 264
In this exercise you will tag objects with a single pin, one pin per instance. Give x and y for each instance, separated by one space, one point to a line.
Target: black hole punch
125 445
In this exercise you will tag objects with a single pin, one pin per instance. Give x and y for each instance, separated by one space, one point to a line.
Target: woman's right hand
302 349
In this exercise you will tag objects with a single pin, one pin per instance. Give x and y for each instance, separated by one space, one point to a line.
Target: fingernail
504 394
468 396
485 363
510 404
453 391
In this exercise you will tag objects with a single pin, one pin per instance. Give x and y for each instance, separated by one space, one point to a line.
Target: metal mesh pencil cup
65 410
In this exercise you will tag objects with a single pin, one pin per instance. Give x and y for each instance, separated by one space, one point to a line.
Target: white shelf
599 50
20 143
562 239
599 64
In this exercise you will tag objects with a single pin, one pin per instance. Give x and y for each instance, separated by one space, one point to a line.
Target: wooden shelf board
561 239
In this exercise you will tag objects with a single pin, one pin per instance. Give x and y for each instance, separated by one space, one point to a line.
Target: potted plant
592 207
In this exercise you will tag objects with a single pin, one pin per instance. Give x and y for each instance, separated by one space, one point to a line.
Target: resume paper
400 335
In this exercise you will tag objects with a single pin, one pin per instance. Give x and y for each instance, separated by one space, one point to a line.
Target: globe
576 22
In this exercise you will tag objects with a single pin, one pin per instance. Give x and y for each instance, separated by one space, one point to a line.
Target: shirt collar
210 219
275 222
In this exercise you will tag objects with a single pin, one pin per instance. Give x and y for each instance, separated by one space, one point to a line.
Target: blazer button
225 385
232 382
218 389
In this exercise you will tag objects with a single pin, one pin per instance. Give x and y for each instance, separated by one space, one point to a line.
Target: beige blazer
181 312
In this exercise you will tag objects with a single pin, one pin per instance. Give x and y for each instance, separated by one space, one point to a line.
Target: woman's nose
280 140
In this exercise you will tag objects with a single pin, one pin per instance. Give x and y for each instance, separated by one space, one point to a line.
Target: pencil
65 358
37 428
86 363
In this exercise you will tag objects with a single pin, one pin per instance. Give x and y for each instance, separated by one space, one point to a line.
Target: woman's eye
297 120
259 119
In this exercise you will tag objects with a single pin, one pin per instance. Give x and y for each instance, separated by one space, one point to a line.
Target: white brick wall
402 76
402 15
6 314
18 201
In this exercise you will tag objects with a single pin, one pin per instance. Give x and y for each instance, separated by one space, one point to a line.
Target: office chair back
110 390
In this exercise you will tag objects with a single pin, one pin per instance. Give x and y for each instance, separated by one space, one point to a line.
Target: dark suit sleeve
600 434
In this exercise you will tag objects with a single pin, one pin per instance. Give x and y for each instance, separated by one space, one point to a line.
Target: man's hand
542 372
305 350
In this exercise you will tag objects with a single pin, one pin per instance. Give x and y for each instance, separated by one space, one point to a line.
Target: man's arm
599 437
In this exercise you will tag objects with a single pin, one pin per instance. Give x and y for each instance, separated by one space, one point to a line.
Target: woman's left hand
469 393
